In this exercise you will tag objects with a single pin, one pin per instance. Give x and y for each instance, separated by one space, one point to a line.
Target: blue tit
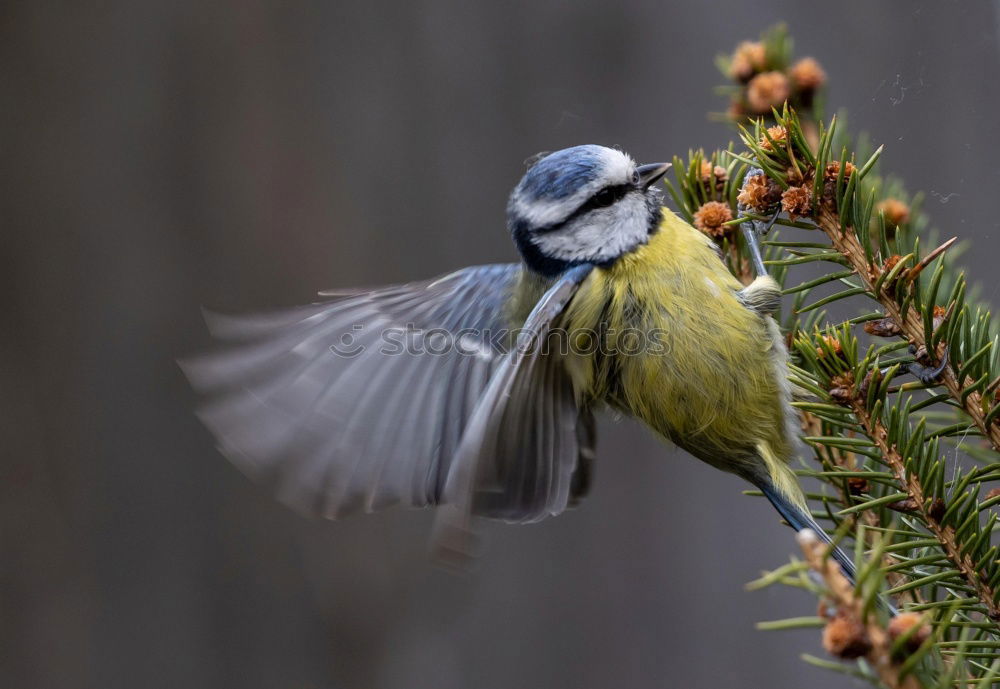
477 390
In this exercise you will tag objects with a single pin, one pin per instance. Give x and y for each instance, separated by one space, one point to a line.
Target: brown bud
936 509
873 374
833 344
841 395
766 91
883 327
797 202
711 217
759 192
896 212
721 176
833 170
857 485
748 58
995 493
845 638
713 177
830 179
842 388
807 74
706 171
906 505
903 623
776 134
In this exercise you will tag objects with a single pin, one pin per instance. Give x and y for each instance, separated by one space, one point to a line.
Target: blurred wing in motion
378 421
527 450
373 423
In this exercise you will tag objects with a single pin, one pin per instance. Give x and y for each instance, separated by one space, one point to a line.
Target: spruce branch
929 509
920 530
853 630
880 429
883 282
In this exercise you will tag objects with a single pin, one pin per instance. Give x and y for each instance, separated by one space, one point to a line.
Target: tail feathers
798 518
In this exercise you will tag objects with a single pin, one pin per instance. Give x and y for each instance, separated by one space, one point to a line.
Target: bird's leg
752 228
750 234
763 295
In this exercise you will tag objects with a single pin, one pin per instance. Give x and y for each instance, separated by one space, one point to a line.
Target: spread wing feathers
375 425
383 421
518 458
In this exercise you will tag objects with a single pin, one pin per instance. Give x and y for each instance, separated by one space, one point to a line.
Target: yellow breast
703 373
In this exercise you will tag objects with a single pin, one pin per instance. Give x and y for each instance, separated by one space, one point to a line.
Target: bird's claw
928 374
925 374
761 228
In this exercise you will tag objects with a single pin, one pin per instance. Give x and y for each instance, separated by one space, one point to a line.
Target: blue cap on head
564 172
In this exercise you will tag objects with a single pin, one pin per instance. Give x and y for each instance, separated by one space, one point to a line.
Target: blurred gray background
242 154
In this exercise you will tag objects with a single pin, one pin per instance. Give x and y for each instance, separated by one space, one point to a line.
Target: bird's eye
604 198
635 177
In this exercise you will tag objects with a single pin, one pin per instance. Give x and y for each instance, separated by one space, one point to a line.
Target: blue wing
372 426
340 433
527 448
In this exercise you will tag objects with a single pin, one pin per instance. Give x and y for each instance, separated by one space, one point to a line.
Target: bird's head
586 204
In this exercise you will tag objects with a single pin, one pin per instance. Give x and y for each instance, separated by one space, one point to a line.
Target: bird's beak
649 174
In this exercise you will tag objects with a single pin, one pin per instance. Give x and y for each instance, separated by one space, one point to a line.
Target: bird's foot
925 372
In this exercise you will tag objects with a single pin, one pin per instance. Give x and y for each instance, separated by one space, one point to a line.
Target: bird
477 391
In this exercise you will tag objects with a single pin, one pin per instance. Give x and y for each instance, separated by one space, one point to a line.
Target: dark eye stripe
607 196
601 199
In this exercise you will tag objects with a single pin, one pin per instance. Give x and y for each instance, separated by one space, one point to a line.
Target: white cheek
540 213
600 235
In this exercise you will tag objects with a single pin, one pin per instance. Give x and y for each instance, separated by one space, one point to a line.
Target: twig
911 326
945 535
851 610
